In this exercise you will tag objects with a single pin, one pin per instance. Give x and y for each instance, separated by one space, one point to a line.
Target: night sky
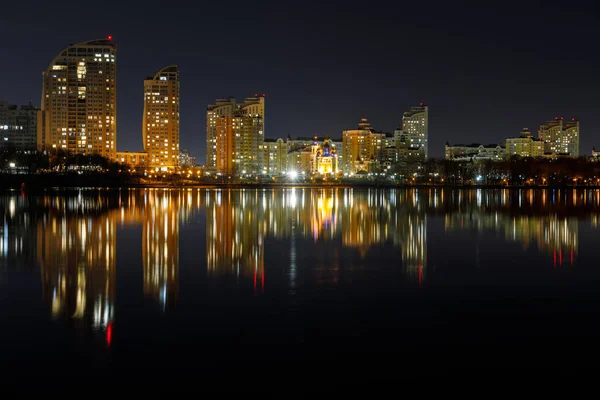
485 72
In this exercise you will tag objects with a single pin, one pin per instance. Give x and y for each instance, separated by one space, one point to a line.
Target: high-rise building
362 148
160 126
415 124
560 138
570 137
550 134
18 126
234 133
79 100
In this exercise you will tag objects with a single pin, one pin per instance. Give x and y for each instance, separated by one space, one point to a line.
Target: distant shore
35 182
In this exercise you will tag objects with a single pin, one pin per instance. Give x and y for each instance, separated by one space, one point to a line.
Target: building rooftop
475 145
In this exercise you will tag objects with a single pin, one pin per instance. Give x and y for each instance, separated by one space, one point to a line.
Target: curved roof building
79 100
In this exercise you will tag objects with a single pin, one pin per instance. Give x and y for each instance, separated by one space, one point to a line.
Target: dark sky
485 70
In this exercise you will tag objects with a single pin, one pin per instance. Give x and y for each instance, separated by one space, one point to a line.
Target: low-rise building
273 156
134 159
475 151
186 160
524 145
18 126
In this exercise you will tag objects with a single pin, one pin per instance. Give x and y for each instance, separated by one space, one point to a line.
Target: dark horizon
485 72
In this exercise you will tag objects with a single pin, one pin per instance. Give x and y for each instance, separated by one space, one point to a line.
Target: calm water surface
364 282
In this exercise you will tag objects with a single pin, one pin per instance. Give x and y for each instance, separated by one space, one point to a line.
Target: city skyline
455 75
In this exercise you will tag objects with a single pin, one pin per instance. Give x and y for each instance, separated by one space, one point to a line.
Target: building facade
186 160
234 134
475 152
79 100
324 159
415 126
274 156
160 122
570 138
133 159
524 146
560 138
362 148
18 126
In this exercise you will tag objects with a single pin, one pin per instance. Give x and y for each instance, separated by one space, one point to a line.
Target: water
307 282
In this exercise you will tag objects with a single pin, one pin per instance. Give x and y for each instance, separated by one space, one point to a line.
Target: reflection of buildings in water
238 222
234 240
160 245
159 211
414 246
552 234
17 244
378 217
595 220
74 242
76 254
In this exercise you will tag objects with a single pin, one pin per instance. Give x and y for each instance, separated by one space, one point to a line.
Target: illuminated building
79 100
363 148
407 151
274 156
595 154
415 126
524 146
186 160
133 159
160 122
560 138
234 134
300 160
18 126
323 157
475 151
570 138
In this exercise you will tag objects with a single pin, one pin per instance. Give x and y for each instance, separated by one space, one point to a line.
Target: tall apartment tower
234 136
415 124
570 137
79 100
18 126
560 137
160 126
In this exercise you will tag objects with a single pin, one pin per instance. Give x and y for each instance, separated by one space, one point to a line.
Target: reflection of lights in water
293 257
11 207
163 296
4 243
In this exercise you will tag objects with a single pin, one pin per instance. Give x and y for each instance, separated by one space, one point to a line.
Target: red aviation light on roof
109 37
264 95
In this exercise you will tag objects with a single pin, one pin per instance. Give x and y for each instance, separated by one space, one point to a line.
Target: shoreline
36 183
38 188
